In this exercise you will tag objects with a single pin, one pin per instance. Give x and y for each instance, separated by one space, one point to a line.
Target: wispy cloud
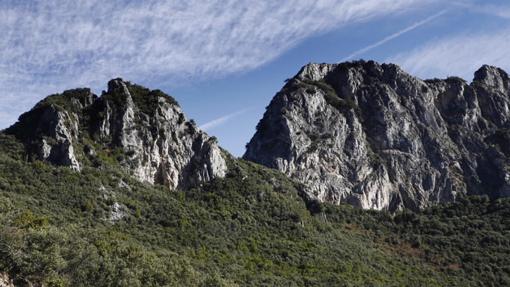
50 45
502 11
221 120
394 36
460 55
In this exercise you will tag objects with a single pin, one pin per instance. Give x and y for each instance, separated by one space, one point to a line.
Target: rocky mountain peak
492 77
314 72
117 85
374 136
143 131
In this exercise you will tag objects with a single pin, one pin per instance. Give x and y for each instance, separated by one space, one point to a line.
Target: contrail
395 35
221 120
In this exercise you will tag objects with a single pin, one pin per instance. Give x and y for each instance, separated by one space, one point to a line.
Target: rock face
143 131
373 136
5 280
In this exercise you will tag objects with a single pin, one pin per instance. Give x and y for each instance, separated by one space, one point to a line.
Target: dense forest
99 227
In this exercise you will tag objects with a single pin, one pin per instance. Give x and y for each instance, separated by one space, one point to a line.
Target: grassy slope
251 228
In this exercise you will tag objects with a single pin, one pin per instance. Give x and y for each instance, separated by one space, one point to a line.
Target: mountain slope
376 137
102 228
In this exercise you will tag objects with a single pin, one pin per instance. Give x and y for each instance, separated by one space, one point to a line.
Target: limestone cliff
376 137
143 131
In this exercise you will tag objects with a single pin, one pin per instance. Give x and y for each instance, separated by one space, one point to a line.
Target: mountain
122 190
373 136
145 131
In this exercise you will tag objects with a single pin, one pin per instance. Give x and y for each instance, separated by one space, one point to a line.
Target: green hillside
101 228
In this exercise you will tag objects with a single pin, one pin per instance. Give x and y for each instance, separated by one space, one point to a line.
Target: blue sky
224 60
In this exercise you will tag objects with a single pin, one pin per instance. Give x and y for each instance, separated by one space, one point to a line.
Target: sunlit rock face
376 137
143 131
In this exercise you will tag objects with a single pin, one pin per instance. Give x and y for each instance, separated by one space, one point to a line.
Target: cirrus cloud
50 45
460 55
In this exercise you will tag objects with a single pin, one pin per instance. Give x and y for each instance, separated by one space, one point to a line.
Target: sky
224 60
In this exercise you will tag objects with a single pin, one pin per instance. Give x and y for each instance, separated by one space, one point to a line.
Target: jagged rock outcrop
144 131
376 137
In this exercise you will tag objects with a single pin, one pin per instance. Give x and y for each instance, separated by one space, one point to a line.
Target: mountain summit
376 137
143 130
362 133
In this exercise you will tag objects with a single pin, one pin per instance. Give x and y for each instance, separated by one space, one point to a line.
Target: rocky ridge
144 132
376 137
